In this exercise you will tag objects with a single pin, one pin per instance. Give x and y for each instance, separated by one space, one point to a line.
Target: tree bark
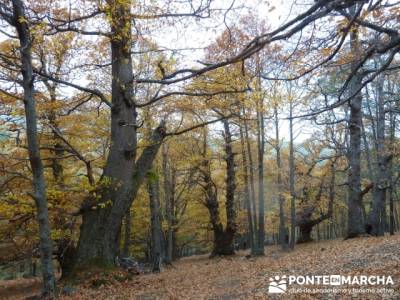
169 208
223 239
367 153
355 225
292 240
261 150
127 234
231 226
377 218
248 202
283 236
391 181
102 213
305 233
39 184
252 188
101 220
305 222
156 232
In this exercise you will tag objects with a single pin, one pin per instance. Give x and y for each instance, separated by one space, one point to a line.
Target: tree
377 219
18 20
355 226
113 73
306 218
283 235
123 174
292 179
169 187
156 232
248 195
223 237
261 149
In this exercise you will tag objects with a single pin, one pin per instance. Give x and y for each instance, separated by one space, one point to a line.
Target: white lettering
389 280
292 279
363 280
300 280
340 280
372 280
346 279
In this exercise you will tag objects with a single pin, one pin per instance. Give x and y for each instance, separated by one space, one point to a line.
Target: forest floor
239 277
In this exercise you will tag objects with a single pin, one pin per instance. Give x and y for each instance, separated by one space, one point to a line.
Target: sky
199 34
202 34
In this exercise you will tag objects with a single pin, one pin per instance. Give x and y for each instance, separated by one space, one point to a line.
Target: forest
198 149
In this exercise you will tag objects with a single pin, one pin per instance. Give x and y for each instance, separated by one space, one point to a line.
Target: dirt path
240 278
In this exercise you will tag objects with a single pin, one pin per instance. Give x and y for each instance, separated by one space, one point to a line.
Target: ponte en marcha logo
280 284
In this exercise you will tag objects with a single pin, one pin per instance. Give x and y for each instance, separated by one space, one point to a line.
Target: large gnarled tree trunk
123 174
100 229
223 238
